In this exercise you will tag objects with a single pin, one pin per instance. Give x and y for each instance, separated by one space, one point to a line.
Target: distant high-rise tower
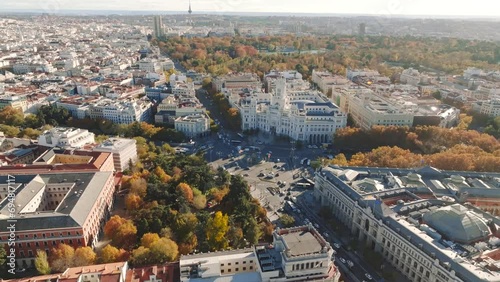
157 26
190 11
362 29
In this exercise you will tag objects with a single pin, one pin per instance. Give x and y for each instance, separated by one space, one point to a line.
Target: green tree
287 220
42 262
164 250
9 131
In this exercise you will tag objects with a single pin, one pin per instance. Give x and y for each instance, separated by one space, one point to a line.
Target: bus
304 185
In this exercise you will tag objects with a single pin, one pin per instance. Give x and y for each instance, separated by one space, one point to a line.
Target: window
236 269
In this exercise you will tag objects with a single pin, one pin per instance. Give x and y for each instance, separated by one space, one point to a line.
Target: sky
368 7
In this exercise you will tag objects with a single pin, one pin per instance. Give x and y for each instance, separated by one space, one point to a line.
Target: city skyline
364 7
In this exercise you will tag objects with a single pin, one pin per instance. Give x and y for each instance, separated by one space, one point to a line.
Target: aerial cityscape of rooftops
241 144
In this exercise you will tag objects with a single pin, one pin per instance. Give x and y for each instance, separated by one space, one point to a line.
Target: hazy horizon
386 8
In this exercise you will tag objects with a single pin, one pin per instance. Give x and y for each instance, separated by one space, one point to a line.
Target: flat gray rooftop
301 243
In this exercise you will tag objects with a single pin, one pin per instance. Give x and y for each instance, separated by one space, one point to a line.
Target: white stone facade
193 125
66 137
303 115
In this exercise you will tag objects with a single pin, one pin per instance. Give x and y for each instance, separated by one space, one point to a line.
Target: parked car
342 260
368 276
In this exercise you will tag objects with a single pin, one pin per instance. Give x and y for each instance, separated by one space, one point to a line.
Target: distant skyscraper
362 29
190 11
157 26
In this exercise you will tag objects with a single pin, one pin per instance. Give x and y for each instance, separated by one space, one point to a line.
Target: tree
11 116
9 131
84 256
162 175
199 202
30 133
3 258
122 232
61 257
188 245
133 202
109 254
148 239
340 160
216 230
252 231
141 256
138 186
164 250
42 262
185 191
101 138
287 220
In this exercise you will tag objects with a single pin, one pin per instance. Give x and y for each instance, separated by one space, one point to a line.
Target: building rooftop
458 224
82 191
115 144
301 243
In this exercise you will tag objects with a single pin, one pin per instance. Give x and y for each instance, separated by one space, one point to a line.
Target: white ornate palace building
304 115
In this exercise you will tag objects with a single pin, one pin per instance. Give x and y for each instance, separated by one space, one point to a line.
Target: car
336 245
283 168
260 175
259 142
368 276
326 235
316 225
277 174
246 174
275 166
247 168
279 182
342 260
350 263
